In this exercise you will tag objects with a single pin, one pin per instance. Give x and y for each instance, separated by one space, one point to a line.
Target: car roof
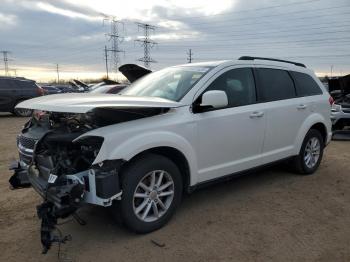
15 78
272 64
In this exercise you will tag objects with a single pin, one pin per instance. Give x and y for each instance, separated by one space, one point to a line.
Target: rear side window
274 84
25 84
306 85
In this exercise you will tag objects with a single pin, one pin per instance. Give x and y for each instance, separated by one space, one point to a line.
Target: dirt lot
273 215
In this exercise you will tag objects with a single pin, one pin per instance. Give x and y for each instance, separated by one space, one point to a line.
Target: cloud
72 34
7 20
65 12
142 10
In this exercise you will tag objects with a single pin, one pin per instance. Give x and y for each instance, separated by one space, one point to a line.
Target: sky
73 34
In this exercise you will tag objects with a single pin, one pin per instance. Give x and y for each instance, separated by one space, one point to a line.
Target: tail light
331 100
41 91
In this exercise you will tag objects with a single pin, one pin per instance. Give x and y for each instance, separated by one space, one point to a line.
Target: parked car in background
339 88
65 88
108 89
103 83
51 90
170 132
133 72
14 90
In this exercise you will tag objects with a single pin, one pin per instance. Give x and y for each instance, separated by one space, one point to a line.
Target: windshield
171 83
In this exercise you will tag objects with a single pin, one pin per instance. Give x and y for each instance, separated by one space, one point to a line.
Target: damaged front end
58 152
60 168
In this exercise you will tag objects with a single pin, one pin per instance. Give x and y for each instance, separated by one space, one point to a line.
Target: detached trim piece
270 59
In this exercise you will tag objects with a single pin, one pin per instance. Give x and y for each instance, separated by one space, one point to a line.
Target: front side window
171 83
239 86
274 84
305 84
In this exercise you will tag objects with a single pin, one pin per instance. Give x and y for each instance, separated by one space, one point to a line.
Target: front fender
308 123
127 149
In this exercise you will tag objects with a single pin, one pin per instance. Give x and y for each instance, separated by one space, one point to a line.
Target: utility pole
332 71
190 54
58 74
106 60
115 38
147 44
6 60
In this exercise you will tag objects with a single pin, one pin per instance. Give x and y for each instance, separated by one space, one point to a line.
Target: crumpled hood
82 103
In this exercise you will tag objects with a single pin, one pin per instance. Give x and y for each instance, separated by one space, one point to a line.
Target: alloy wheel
312 152
153 195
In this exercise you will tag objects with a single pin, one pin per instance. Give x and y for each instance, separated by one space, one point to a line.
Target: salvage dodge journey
168 133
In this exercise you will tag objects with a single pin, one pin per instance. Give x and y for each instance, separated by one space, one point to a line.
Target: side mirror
215 99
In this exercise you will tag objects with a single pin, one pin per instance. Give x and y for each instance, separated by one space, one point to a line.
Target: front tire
311 153
152 190
22 112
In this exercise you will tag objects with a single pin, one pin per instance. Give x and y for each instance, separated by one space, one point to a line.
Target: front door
230 139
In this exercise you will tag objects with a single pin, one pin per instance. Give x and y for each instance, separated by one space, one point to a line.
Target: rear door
309 90
285 112
7 95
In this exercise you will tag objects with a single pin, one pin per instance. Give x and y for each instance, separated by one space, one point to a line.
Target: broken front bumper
64 195
100 186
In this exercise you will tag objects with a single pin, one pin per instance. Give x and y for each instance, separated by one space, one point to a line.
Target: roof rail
270 59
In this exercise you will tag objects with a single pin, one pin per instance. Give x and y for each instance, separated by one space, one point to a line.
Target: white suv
171 131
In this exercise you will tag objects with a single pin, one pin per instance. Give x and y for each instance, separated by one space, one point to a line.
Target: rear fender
308 123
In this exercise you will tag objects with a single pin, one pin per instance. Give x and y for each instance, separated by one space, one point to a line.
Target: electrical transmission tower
6 60
147 44
115 39
190 56
106 60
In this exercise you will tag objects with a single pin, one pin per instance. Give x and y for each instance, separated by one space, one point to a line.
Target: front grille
347 111
26 142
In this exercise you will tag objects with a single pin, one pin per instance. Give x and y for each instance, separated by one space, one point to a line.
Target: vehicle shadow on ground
8 115
103 227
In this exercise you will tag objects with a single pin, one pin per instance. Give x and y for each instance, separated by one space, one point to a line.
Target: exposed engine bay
58 164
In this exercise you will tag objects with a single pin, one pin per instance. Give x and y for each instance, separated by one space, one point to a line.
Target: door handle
256 114
301 106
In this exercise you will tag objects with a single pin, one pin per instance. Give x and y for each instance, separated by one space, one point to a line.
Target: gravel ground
273 215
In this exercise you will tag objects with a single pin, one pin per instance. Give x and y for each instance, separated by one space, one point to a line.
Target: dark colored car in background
51 90
14 90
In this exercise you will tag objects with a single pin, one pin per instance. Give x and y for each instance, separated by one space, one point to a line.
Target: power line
147 44
247 10
115 38
286 16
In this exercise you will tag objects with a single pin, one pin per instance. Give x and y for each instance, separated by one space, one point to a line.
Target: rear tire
311 153
152 190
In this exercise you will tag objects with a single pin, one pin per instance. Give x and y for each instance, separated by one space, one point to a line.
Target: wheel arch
175 155
322 129
315 121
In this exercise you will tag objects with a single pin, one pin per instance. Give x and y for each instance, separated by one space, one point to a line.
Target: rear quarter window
25 84
305 84
274 84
